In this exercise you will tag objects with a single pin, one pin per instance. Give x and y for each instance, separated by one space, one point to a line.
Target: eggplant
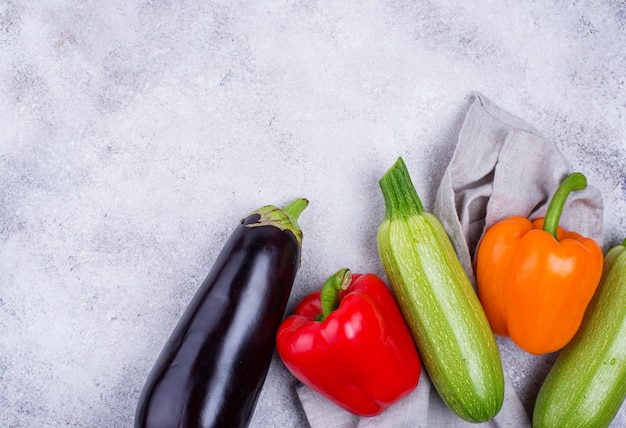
213 366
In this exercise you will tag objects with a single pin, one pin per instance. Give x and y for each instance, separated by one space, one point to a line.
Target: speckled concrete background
135 134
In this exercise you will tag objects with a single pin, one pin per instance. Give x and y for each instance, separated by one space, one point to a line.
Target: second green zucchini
587 384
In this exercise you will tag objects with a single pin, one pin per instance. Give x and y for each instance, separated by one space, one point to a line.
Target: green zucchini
441 308
587 383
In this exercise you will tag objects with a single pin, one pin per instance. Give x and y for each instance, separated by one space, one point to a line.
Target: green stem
295 208
401 198
574 181
285 219
329 296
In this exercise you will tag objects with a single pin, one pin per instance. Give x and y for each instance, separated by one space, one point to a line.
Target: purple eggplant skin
212 368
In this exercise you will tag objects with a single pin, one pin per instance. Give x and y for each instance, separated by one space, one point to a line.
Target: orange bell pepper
535 279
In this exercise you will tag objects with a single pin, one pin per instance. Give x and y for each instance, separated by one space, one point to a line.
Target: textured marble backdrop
135 134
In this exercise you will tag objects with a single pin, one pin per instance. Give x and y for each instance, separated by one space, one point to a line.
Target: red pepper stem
574 181
329 296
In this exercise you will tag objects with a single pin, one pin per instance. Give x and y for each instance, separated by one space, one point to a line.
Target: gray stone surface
135 134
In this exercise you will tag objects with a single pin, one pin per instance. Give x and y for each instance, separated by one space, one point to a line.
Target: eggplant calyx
283 219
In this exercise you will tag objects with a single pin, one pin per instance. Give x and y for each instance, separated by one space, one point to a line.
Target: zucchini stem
329 296
574 181
401 198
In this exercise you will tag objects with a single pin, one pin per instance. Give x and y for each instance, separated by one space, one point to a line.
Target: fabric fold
501 167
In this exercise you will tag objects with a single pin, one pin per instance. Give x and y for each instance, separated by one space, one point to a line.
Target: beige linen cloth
501 167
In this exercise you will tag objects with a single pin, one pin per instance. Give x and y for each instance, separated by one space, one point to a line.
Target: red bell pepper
350 343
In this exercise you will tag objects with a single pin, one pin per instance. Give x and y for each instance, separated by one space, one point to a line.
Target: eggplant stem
295 208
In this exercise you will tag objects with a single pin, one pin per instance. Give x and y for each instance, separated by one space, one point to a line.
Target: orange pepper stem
574 181
329 296
401 198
